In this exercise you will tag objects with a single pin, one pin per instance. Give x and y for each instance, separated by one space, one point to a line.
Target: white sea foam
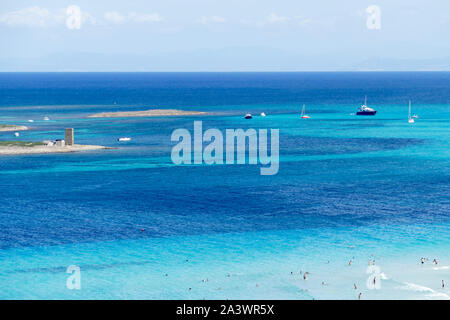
430 292
416 287
384 276
438 295
440 268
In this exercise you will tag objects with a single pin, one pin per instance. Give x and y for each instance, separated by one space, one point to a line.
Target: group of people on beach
435 262
306 273
422 261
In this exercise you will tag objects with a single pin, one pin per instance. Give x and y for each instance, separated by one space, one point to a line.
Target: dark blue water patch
309 146
221 89
58 208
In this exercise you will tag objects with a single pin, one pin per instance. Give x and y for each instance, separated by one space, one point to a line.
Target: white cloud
117 18
30 16
114 17
271 19
212 19
40 17
302 21
145 17
274 18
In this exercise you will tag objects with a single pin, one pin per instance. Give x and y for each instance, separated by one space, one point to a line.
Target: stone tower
69 137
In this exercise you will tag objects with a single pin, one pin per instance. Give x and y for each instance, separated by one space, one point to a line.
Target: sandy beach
43 149
4 128
146 113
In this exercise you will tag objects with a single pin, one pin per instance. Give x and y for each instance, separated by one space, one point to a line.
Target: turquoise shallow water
239 266
348 187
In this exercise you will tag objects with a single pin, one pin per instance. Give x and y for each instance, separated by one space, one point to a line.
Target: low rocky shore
147 113
32 148
7 127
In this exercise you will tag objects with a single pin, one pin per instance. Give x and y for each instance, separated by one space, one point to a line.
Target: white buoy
263 114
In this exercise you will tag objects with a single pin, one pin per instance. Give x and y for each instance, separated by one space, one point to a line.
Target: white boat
123 139
263 114
30 120
248 116
364 110
46 118
16 134
304 115
410 119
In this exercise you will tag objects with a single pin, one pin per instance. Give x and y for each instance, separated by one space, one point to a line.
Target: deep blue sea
139 227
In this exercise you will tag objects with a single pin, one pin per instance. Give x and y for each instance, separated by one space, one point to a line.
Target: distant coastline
147 113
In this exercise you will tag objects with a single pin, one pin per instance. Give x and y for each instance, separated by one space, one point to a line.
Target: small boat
16 134
304 115
30 120
123 139
248 116
364 110
415 116
410 119
263 114
46 118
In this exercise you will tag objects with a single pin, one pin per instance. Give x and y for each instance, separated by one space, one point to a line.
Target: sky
227 35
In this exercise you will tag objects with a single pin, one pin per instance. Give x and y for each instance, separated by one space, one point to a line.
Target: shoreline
147 113
42 149
7 128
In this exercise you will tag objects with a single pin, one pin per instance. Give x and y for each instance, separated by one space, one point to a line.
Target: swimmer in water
435 262
305 275
443 284
356 287
350 263
422 260
359 296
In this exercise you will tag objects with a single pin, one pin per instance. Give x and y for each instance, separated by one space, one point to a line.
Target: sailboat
304 116
410 119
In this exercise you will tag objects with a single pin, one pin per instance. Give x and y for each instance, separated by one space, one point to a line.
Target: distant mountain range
228 59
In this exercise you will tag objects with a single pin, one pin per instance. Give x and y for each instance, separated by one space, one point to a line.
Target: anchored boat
410 119
364 110
304 115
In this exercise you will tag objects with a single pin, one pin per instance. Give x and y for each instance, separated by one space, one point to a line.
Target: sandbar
146 113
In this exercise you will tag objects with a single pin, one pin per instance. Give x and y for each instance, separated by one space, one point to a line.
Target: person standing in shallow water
443 284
